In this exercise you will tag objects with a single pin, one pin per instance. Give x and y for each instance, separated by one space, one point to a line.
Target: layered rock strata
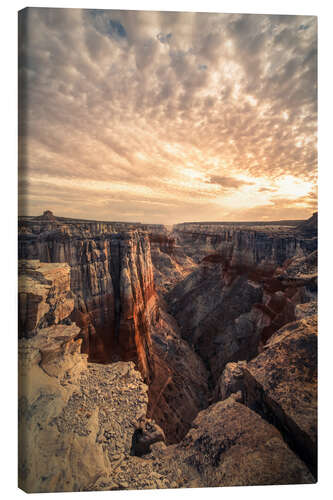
281 385
44 295
77 420
83 426
170 263
117 310
233 302
243 246
111 278
229 290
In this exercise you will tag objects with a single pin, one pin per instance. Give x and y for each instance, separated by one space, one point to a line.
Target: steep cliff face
44 296
179 389
119 314
170 262
88 425
243 246
77 420
112 281
229 288
244 288
281 385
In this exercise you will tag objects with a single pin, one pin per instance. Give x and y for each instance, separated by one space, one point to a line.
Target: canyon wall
84 426
44 295
223 342
228 286
111 279
262 246
119 312
248 282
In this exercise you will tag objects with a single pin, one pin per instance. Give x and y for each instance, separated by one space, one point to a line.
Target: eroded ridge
139 344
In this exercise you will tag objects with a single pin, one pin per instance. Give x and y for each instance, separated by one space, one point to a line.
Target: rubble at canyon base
150 359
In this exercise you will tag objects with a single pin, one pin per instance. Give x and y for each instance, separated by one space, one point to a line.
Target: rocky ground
84 427
151 358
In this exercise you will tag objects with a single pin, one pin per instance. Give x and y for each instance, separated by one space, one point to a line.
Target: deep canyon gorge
166 357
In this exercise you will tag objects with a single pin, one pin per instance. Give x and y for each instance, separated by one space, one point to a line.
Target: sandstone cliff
119 313
111 278
77 420
44 295
263 246
281 385
238 296
89 307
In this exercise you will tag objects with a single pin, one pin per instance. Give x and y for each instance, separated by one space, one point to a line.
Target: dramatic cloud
228 182
166 117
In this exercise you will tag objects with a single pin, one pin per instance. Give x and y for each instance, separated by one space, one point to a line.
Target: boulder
281 385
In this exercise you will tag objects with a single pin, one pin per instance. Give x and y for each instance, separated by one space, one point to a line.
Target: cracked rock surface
151 358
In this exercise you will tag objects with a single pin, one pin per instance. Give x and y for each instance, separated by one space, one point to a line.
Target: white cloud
140 99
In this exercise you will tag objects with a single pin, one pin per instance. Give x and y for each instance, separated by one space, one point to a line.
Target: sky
167 117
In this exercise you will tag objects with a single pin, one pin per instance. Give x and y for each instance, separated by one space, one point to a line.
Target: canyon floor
166 357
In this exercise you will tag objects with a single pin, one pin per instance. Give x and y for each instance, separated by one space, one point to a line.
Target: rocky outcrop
117 310
244 246
44 295
111 278
281 385
235 300
76 420
146 434
170 263
230 445
89 308
47 216
83 426
215 316
309 227
179 389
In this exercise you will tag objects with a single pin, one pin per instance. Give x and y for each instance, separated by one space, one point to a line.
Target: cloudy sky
167 117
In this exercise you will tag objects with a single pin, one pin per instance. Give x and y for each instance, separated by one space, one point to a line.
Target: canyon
158 357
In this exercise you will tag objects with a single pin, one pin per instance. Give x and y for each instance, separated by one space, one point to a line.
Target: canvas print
167 240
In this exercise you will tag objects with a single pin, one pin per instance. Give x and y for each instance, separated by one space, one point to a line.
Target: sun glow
292 187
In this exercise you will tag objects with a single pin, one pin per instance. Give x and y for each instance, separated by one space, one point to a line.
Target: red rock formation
230 291
236 299
179 388
235 289
112 279
165 242
116 308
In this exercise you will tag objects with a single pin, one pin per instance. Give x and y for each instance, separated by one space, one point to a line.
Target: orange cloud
172 116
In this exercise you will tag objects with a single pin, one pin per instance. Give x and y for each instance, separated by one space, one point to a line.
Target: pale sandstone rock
230 445
116 307
281 384
76 421
111 277
44 295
